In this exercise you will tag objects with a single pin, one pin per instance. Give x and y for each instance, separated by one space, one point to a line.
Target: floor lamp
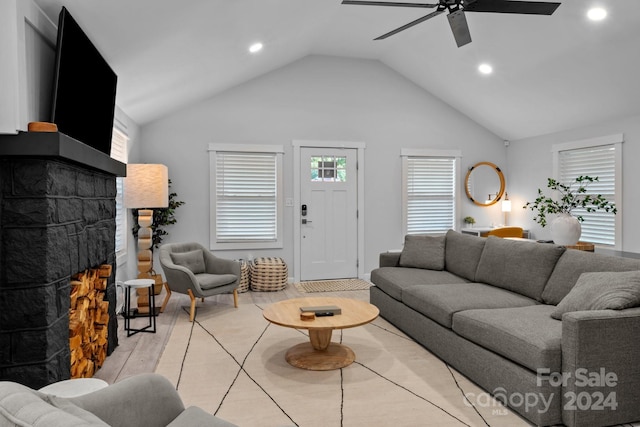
146 186
506 207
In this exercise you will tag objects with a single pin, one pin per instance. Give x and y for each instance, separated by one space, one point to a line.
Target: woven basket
245 276
268 274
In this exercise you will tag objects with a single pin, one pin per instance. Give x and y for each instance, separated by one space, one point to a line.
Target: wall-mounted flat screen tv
84 87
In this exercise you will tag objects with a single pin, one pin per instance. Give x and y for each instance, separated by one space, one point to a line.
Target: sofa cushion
422 251
462 254
70 408
194 416
525 335
393 280
608 290
193 260
22 406
441 302
522 267
210 281
573 263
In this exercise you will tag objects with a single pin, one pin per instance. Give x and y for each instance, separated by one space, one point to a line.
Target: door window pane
329 168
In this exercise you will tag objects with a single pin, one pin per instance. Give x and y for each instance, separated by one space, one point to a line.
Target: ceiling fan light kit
457 9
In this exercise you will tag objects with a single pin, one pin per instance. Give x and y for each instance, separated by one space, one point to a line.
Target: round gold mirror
484 184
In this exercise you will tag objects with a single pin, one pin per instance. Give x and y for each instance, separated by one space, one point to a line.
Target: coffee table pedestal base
335 356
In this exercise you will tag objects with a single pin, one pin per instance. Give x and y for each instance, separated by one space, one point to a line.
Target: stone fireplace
57 218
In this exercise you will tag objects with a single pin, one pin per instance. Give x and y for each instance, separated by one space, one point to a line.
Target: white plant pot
565 230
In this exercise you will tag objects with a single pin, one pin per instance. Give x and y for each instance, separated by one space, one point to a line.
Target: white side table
74 387
129 314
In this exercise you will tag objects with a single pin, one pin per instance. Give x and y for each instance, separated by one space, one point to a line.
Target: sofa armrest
389 259
599 361
143 400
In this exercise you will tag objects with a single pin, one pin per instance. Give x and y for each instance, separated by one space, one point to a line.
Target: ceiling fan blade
389 3
459 27
409 25
508 6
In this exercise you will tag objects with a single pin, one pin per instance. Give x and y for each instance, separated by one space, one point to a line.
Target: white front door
328 213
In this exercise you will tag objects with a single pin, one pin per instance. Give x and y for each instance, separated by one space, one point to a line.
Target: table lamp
146 186
506 206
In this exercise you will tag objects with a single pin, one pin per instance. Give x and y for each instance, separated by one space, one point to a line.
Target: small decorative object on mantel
565 228
42 127
469 221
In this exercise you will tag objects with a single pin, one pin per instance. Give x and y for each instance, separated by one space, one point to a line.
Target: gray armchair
192 269
148 400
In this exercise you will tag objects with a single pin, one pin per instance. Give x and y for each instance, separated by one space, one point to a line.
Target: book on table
333 309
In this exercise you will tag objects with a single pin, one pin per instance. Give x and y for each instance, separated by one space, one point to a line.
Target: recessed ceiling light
485 68
256 47
597 14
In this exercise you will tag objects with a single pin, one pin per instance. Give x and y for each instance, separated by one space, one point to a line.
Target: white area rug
230 362
333 285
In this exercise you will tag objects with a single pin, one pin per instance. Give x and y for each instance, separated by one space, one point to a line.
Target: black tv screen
84 87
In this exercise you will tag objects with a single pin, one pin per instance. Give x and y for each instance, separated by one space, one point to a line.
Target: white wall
318 98
530 164
27 49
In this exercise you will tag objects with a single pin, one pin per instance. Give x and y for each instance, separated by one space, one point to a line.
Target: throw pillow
603 290
193 260
422 251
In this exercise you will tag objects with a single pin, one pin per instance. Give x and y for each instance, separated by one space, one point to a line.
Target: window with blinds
599 226
119 142
429 194
247 187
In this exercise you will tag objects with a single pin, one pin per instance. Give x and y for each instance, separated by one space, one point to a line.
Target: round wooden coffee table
320 354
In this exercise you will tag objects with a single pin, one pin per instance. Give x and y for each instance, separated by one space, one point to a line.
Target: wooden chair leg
235 298
192 311
166 297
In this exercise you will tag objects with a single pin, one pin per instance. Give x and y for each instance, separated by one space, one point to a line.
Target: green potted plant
469 220
566 228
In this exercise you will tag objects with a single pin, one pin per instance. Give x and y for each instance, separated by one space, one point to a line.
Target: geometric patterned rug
231 363
333 285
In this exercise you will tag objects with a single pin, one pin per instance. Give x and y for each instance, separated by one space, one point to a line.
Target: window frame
278 151
122 219
615 141
454 155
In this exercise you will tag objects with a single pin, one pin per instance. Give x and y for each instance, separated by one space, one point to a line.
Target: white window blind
119 142
246 204
600 226
429 194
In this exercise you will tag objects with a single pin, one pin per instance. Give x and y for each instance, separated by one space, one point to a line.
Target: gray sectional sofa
552 332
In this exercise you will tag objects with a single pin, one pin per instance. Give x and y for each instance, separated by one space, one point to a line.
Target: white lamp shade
506 205
146 186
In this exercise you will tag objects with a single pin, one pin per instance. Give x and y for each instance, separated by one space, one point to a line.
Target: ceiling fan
457 9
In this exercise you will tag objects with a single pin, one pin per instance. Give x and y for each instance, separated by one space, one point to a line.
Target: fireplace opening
88 321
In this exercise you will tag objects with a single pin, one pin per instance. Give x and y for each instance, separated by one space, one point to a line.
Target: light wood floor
140 353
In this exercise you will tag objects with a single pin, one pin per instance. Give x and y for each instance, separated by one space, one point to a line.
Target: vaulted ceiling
550 73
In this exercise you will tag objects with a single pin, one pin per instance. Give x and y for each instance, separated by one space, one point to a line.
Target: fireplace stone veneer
57 218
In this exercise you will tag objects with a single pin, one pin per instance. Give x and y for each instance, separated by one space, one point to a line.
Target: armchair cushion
193 260
209 281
